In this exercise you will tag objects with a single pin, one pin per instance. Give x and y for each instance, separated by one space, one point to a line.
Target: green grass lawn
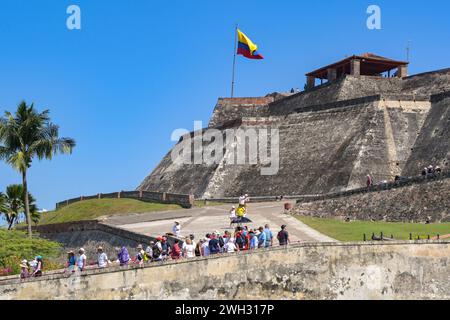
15 246
354 230
92 209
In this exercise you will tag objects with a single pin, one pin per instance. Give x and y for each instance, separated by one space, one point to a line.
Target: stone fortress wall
365 270
185 200
331 137
419 201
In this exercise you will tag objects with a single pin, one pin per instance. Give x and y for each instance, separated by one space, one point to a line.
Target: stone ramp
200 221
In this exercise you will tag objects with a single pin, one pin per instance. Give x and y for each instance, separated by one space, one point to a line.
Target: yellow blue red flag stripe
246 47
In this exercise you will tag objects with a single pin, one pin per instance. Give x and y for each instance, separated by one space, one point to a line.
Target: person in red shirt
176 250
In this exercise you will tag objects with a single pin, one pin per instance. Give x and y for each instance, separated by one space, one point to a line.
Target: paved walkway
199 221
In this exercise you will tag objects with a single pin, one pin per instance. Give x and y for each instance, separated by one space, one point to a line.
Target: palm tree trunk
27 205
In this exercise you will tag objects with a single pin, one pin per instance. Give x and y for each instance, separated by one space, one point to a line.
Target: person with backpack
240 239
157 250
221 241
149 251
213 244
176 250
140 255
283 236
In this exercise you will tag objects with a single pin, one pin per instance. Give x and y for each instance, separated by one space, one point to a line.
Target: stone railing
95 225
401 268
380 187
185 200
317 197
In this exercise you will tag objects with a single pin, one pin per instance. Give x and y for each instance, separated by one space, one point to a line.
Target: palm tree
27 134
3 206
15 204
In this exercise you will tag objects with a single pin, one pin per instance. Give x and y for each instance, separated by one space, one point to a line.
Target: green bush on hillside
16 246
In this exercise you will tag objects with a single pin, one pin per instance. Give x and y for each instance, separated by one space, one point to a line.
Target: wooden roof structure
371 65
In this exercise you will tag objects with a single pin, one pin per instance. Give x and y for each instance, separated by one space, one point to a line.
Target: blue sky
139 69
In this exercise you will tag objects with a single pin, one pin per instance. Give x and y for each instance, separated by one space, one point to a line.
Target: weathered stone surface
331 137
320 151
398 270
432 146
414 203
228 109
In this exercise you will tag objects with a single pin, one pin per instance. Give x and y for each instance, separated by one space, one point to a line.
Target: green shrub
16 246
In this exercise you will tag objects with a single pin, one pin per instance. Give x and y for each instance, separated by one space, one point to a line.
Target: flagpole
234 61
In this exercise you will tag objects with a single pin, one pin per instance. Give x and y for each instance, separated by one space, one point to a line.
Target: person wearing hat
24 273
176 229
254 239
261 237
123 257
157 250
149 251
140 256
232 215
102 258
71 261
38 268
165 247
283 236
81 260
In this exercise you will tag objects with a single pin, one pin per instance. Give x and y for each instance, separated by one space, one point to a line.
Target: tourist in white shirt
232 214
189 249
205 246
230 247
102 258
81 260
176 229
242 199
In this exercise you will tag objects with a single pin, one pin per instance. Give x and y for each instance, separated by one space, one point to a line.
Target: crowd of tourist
428 172
215 243
431 171
31 268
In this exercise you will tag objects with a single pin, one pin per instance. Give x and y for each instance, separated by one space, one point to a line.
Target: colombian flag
246 47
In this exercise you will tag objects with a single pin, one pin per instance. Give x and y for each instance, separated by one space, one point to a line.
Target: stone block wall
420 201
432 146
185 200
366 270
228 109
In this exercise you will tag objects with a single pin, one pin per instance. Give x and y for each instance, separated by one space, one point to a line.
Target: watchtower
367 64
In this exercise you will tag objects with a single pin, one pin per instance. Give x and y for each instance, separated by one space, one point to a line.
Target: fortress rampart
330 138
365 270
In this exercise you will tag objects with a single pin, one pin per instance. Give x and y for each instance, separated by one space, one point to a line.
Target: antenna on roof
408 50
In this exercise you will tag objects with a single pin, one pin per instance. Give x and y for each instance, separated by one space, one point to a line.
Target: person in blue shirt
261 238
253 241
269 236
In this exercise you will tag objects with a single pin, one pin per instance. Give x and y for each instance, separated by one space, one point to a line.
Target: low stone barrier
360 270
185 200
318 197
51 231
